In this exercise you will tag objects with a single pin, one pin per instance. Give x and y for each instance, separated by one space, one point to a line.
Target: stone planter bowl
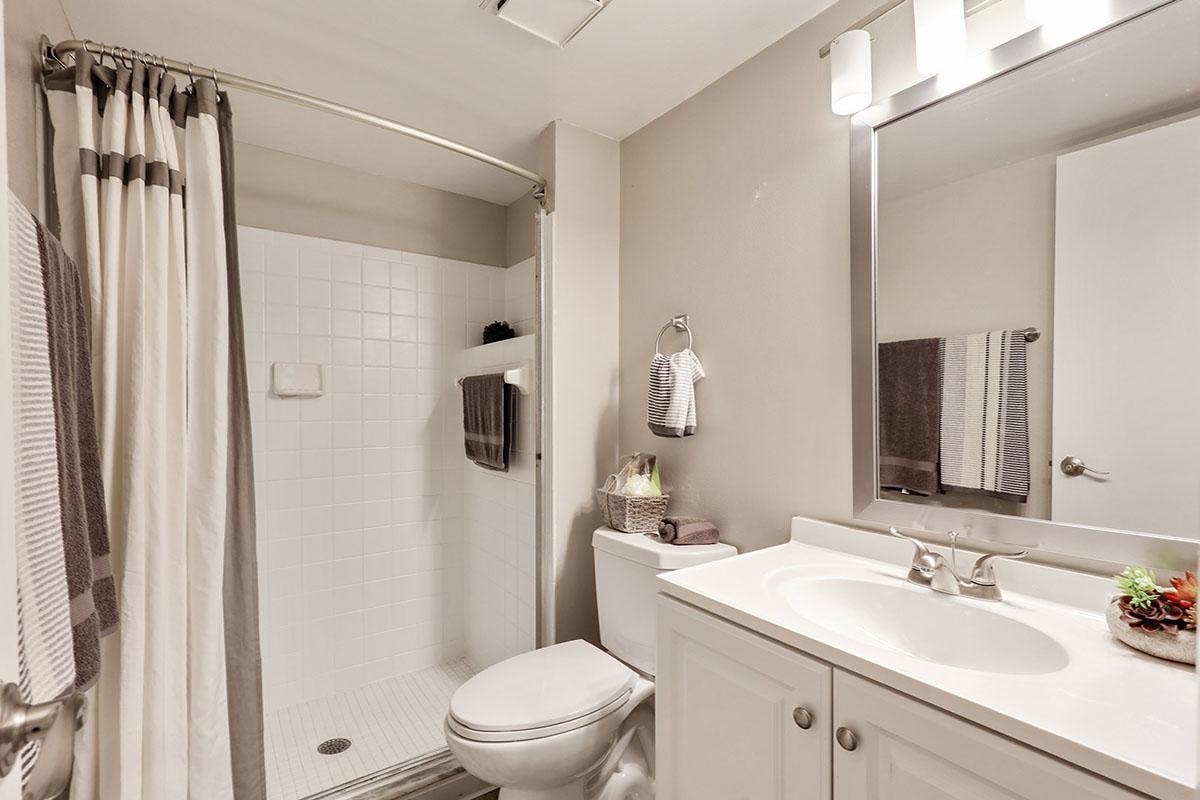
1180 647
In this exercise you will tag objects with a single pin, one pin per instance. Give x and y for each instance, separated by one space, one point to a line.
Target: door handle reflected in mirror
1073 466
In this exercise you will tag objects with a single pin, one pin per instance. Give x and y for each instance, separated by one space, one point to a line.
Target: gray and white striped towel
985 416
671 398
46 656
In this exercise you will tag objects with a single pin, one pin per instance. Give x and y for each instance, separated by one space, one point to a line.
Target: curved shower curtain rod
56 52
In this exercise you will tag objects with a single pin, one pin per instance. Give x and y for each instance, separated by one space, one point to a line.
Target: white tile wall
499 529
359 492
520 298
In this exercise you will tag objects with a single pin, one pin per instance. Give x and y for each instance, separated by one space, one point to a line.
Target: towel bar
520 376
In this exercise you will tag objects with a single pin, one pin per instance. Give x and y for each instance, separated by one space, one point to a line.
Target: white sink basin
952 631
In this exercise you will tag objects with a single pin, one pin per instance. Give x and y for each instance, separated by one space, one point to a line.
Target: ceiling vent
556 21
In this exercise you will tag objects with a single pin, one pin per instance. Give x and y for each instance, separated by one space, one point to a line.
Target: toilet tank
626 566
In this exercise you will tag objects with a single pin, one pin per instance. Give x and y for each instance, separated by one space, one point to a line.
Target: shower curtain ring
216 82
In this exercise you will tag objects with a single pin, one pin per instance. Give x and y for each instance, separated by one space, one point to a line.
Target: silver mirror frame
1078 546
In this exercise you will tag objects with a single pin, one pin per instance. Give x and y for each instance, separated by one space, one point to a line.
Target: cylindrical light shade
941 34
1038 10
850 72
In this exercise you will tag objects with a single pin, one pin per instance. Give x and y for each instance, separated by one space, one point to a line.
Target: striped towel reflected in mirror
954 415
985 415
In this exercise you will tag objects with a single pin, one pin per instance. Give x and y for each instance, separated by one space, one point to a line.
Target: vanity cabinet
903 748
741 717
738 717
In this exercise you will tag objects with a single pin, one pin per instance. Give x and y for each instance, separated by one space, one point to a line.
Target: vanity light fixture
850 72
941 34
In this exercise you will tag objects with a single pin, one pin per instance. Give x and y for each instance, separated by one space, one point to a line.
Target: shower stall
391 569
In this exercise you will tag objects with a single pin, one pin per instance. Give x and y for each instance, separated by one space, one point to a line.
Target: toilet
572 721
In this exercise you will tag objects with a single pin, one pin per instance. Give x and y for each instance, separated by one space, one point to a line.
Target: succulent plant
1184 593
1183 597
1140 585
1154 616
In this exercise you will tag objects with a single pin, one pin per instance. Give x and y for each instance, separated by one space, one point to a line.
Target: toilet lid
541 688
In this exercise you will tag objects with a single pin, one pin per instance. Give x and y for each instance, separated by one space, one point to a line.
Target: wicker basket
631 514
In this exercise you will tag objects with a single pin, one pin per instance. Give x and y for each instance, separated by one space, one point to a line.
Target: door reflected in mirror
1038 284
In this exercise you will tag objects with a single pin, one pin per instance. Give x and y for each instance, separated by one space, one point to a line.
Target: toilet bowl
571 721
542 724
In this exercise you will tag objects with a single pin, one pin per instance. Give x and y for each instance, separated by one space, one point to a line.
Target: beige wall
24 22
520 230
288 193
583 336
978 255
735 209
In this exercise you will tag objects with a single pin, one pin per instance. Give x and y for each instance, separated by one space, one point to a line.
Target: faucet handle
924 560
917 543
984 574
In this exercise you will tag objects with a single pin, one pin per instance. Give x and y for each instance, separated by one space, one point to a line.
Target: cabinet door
906 750
726 704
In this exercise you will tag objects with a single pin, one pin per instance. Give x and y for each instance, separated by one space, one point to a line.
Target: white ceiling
448 67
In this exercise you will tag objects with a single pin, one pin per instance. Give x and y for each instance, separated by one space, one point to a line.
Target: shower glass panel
391 569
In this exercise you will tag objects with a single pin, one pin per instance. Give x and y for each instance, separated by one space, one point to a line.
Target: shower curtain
143 173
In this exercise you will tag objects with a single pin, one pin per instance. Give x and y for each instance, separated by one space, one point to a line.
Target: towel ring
679 323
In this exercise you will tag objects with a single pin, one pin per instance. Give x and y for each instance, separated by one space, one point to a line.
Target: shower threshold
437 776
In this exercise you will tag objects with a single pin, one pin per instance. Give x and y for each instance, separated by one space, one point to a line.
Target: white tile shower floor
388 723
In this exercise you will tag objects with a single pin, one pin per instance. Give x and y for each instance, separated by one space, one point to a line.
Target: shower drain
331 747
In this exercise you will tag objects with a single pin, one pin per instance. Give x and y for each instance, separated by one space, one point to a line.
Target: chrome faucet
934 571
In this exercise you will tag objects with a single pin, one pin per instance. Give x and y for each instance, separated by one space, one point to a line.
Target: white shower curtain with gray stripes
143 207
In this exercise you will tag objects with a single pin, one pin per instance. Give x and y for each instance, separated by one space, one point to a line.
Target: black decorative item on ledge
498 332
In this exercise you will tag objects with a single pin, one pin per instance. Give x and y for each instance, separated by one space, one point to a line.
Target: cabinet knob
802 717
846 738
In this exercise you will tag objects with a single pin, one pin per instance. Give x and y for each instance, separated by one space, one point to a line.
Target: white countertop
1123 715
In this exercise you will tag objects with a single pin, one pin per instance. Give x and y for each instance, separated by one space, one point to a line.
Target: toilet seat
541 693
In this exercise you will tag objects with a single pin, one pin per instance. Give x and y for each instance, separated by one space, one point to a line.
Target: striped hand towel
671 399
985 417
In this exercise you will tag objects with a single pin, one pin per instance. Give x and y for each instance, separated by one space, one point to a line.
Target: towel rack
520 376
679 323
1032 334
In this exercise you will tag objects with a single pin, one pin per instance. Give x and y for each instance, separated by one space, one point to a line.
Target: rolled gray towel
688 530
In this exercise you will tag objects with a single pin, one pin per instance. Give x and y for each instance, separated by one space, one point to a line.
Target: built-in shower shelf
513 356
515 344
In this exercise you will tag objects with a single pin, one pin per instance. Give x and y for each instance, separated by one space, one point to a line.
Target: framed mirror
1027 294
